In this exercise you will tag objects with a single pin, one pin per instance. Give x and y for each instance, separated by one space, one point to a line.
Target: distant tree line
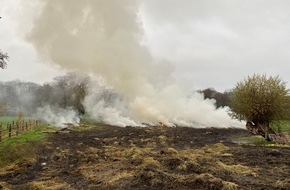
65 91
221 99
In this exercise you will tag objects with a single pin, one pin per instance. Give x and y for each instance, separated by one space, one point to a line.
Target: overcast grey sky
211 43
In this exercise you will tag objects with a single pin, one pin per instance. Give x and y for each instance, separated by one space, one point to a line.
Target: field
281 126
14 126
152 158
8 119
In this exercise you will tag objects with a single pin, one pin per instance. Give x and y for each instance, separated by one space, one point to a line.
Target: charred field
150 158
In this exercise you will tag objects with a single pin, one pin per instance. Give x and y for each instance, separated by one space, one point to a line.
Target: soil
151 158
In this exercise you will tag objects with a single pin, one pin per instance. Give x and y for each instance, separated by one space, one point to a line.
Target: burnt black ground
89 159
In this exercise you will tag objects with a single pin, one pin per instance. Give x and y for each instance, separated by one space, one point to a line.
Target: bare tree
3 60
73 89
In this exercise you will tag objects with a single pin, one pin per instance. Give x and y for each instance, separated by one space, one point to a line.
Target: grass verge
281 126
22 147
4 120
253 140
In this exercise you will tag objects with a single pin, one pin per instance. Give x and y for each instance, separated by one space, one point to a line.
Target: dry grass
114 167
229 186
121 176
150 161
48 184
117 161
238 169
283 184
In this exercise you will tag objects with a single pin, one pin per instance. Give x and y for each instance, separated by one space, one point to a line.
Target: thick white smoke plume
103 37
107 106
58 116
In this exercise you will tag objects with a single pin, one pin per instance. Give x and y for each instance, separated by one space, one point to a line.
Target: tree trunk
263 127
260 128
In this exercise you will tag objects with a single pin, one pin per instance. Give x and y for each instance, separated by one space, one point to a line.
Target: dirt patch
133 158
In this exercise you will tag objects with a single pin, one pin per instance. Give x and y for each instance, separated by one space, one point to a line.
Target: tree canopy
221 99
259 99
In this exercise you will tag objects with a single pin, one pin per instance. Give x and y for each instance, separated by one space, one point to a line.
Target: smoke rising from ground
104 37
54 103
58 116
105 105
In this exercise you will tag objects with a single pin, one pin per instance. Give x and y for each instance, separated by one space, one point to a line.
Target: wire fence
16 128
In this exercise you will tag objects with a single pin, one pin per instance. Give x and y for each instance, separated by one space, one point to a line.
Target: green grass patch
22 147
281 126
9 119
86 120
257 141
277 126
253 140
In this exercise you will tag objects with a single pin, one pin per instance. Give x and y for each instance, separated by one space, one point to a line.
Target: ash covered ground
151 158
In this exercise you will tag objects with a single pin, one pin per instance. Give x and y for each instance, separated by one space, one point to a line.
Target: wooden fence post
0 131
22 125
13 126
9 130
17 129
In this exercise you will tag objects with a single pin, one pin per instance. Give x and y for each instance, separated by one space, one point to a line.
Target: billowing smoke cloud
104 37
58 116
107 106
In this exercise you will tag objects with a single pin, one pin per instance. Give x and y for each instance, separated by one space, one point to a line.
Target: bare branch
3 60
